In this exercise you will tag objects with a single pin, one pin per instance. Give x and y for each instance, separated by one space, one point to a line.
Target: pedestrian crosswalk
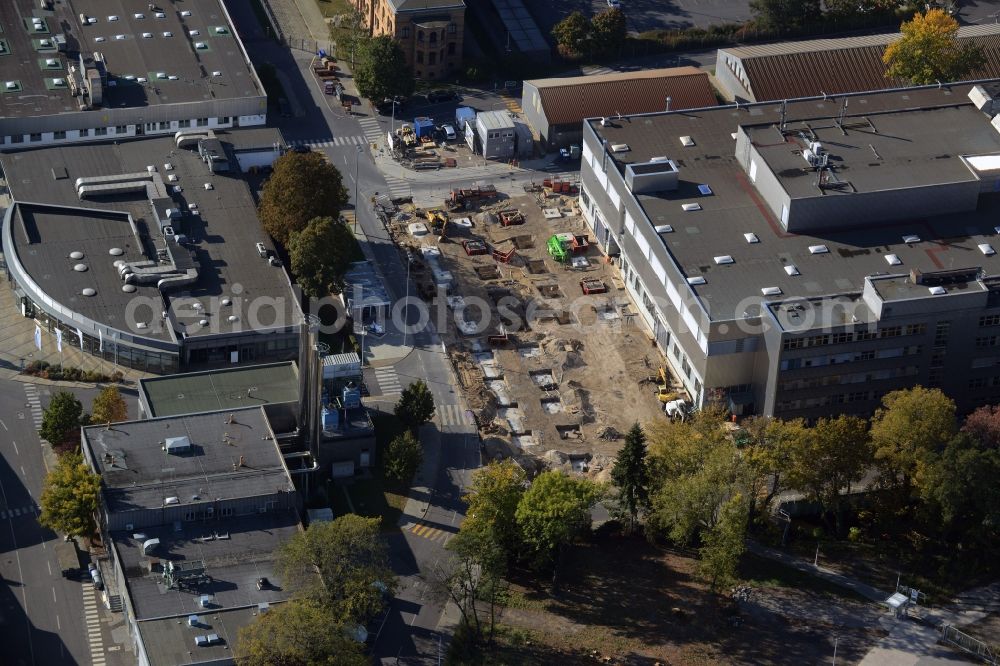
93 619
399 189
372 129
425 531
388 381
332 141
19 512
454 415
34 404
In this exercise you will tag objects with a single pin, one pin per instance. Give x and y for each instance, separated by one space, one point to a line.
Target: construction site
540 330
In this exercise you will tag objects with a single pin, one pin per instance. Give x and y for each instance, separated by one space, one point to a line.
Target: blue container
331 419
423 126
352 397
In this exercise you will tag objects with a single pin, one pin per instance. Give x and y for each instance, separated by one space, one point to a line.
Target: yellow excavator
663 392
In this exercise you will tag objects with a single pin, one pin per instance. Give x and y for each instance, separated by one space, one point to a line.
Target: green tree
320 254
784 15
928 51
109 407
608 32
415 406
764 449
61 420
909 425
835 455
302 187
573 35
297 633
70 496
630 476
552 513
402 458
695 468
722 546
493 496
960 488
352 563
381 70
478 569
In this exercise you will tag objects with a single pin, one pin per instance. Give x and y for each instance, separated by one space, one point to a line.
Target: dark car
436 96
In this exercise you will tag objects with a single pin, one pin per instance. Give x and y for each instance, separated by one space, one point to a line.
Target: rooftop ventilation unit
620 148
937 291
909 239
664 229
689 207
893 260
192 620
987 249
983 100
147 35
687 141
205 600
148 545
818 249
652 176
792 270
139 16
177 444
185 13
201 641
194 33
112 18
705 190
167 33
723 259
696 280
172 500
771 291
751 238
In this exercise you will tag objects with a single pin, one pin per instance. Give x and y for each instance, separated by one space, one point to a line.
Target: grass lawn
762 572
374 497
331 8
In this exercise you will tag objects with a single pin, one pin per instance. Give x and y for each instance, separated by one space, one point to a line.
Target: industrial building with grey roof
79 70
145 252
194 510
804 258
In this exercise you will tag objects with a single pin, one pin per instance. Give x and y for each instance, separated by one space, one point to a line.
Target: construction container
423 126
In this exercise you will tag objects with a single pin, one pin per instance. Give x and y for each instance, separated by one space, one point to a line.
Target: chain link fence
968 644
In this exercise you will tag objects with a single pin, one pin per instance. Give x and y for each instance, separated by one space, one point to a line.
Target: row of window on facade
849 357
432 36
849 378
118 130
823 400
432 56
852 336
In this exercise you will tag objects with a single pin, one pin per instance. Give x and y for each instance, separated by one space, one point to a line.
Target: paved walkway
18 335
909 641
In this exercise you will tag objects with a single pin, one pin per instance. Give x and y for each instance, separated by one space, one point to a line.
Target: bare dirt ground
554 375
625 601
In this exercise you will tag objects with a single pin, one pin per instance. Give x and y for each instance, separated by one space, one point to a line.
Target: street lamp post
357 207
406 300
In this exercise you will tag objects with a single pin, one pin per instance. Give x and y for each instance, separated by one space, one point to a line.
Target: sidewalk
18 334
909 641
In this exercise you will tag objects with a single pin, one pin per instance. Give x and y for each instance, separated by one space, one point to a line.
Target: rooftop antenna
843 112
784 105
824 95
669 100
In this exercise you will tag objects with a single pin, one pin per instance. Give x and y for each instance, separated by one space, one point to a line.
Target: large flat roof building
79 70
194 509
804 258
147 251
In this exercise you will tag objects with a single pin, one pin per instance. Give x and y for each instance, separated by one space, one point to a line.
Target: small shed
423 126
496 135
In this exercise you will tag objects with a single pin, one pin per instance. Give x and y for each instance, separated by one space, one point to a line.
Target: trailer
471 195
69 559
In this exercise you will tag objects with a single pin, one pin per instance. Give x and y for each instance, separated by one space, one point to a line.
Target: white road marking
58 623
4 425
54 595
14 443
49 565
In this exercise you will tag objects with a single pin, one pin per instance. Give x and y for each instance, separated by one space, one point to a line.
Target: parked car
436 96
449 132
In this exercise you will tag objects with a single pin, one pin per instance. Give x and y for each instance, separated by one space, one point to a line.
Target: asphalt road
41 613
410 633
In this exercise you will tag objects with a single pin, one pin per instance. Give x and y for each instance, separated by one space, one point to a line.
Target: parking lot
643 15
